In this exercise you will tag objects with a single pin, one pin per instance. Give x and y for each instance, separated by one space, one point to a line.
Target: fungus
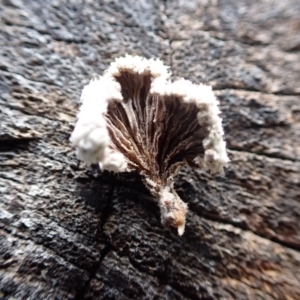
133 118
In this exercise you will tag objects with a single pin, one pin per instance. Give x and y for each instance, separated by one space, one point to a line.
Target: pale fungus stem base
173 209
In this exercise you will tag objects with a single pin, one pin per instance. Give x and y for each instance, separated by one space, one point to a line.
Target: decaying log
71 232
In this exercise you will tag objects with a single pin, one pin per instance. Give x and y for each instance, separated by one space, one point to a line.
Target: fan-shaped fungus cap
133 118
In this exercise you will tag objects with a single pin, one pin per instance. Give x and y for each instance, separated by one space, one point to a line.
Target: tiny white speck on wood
133 118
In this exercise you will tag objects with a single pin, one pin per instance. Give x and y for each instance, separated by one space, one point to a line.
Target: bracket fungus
133 118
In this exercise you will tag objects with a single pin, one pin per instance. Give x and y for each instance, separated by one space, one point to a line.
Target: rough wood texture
70 232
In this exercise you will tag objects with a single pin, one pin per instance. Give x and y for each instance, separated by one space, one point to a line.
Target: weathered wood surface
70 232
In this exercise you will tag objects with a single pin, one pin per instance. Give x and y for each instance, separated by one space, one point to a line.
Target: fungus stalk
133 118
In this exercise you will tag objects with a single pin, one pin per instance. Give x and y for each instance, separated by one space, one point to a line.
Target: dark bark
71 232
